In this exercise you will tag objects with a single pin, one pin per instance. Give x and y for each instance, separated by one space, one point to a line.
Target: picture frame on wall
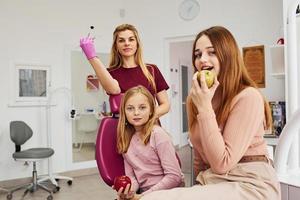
254 60
30 84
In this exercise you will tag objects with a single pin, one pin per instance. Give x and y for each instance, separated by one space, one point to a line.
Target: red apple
121 181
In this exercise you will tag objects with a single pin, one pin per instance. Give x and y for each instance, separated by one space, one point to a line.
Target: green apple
209 77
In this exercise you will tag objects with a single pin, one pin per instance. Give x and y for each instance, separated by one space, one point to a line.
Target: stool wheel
69 182
56 189
9 196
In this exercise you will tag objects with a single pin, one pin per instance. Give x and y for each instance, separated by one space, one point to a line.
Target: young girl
149 156
226 126
127 68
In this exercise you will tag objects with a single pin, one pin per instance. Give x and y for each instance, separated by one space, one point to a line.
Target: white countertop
291 178
273 141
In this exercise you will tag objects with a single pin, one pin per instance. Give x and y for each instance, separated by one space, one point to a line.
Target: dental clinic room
150 100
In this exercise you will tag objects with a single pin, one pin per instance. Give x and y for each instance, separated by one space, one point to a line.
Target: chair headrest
115 101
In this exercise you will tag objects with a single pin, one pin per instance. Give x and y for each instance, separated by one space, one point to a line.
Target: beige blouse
221 149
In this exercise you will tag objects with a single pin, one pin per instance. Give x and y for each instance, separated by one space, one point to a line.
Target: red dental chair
110 163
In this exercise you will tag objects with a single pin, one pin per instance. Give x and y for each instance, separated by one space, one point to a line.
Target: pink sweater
222 148
154 166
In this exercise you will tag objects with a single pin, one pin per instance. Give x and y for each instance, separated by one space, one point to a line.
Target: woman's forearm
162 109
109 84
163 103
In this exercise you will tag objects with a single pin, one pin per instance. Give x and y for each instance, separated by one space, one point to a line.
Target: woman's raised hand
87 46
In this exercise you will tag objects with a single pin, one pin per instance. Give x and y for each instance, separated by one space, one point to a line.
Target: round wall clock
189 9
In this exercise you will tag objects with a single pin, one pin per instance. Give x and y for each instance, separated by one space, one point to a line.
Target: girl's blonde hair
116 60
233 75
125 130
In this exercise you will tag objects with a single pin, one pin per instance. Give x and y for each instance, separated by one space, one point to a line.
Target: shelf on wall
278 75
271 139
277 60
92 83
28 104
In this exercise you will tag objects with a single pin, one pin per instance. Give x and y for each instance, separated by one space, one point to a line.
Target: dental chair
110 163
20 132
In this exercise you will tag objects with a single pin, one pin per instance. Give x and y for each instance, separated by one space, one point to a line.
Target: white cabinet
277 60
284 191
294 193
289 192
271 145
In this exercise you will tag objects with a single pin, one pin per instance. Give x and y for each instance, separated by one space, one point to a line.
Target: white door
179 58
184 88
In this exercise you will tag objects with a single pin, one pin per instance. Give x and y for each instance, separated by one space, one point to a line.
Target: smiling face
137 110
126 43
205 55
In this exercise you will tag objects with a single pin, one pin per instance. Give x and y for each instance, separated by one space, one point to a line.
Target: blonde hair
125 130
233 75
116 60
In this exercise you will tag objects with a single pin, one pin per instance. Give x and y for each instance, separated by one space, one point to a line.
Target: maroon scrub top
131 77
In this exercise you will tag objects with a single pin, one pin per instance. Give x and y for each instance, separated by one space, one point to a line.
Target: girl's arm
173 176
130 173
129 192
197 162
163 103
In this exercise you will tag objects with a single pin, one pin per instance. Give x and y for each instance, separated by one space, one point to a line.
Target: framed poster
31 84
254 59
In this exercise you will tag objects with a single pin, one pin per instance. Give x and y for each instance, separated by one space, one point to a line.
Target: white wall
251 22
291 82
45 31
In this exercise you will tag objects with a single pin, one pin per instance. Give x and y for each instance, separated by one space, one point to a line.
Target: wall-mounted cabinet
92 83
277 60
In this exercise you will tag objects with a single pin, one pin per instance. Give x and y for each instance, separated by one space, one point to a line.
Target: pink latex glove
87 46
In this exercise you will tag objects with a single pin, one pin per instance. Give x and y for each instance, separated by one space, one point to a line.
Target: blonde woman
127 67
149 155
226 125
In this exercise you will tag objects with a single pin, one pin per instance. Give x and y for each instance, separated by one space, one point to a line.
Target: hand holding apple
209 77
121 181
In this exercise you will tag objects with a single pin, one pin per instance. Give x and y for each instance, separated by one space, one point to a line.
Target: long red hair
233 75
